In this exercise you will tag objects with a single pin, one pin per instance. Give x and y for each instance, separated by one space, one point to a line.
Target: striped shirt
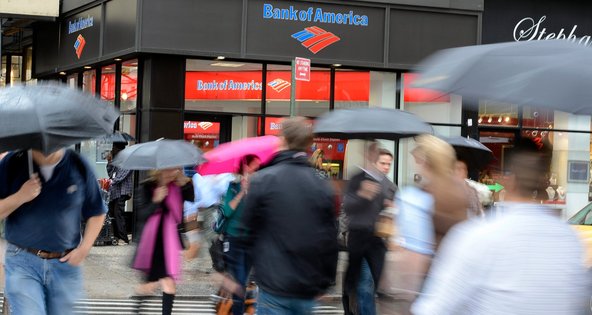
523 261
122 183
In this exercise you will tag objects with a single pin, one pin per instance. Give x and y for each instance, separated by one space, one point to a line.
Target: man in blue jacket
289 210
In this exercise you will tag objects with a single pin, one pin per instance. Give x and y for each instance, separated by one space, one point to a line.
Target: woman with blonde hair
425 214
160 205
316 160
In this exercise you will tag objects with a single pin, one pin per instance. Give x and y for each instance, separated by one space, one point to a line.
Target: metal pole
293 90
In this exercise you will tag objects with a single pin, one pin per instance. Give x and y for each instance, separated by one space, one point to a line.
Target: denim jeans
269 304
238 264
36 286
366 289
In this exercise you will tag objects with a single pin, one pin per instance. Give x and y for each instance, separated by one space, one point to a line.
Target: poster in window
578 171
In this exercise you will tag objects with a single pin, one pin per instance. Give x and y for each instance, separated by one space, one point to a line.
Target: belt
48 255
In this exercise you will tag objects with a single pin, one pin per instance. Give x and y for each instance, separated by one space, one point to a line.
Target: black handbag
217 254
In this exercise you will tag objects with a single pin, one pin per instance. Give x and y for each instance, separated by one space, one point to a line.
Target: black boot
167 303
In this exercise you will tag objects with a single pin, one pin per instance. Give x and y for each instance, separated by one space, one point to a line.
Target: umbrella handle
30 161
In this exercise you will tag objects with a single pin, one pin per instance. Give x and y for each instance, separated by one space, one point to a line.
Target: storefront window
431 106
355 89
533 117
89 81
221 86
108 83
28 64
497 114
94 150
129 86
312 97
72 81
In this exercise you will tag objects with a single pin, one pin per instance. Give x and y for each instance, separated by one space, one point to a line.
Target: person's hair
315 156
117 147
297 133
529 162
246 160
439 156
382 151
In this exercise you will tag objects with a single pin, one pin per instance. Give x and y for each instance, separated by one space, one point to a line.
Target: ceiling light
480 119
117 59
124 96
499 120
507 119
62 73
490 119
87 67
227 64
220 58
336 65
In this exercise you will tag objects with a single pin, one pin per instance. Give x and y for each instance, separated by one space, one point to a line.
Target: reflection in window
497 114
129 85
352 89
432 106
108 83
221 86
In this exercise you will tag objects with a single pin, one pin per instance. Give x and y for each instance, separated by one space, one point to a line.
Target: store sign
529 29
246 85
302 68
312 14
201 127
80 37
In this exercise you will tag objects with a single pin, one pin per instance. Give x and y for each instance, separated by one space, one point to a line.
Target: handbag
217 254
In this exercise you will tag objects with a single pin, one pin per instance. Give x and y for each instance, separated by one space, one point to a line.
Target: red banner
246 85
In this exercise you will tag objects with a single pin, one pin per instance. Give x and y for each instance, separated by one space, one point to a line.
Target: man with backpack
43 215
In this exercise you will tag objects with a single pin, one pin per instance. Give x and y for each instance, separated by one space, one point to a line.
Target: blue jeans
36 286
269 304
366 289
238 264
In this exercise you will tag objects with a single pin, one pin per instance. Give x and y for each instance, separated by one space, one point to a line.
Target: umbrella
159 154
548 73
370 123
50 116
226 157
471 151
121 137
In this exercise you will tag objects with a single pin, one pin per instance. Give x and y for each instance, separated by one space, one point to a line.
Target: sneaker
122 242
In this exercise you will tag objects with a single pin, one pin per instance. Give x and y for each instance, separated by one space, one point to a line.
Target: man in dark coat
290 211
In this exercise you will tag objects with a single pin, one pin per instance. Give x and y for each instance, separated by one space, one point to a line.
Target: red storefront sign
246 85
201 127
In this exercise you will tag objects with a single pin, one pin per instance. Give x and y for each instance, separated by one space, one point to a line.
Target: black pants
362 244
116 208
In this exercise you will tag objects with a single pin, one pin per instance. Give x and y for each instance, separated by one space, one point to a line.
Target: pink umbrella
226 157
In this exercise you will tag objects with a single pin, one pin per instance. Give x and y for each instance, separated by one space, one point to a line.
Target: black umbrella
159 154
50 116
121 137
370 123
473 152
550 73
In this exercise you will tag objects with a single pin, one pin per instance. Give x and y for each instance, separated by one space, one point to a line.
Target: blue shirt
416 228
51 221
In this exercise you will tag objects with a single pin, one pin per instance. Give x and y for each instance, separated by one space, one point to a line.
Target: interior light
220 58
480 119
227 64
87 67
336 65
117 59
507 119
499 120
124 96
62 73
490 119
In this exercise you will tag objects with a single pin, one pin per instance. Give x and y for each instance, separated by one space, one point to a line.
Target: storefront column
163 88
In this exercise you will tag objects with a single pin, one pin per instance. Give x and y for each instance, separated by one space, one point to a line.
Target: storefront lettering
228 85
528 29
314 15
275 126
80 24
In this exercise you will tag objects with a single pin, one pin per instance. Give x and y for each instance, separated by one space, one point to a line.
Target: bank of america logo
315 38
279 85
79 45
205 125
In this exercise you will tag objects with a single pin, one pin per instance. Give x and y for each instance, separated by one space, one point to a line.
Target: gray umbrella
551 73
370 123
159 154
50 116
120 137
473 152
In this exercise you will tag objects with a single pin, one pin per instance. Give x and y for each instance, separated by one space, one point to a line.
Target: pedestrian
367 194
317 159
290 213
120 190
426 211
525 260
43 214
160 205
475 206
236 256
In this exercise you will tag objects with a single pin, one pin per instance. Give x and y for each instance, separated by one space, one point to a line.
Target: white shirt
523 261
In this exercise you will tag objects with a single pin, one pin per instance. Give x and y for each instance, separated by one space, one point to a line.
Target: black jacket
363 213
289 210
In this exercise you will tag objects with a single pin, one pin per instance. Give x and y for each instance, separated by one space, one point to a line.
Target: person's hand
75 257
30 189
368 189
182 180
159 194
245 184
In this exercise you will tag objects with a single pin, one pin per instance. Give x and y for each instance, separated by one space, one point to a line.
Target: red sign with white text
201 127
302 68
